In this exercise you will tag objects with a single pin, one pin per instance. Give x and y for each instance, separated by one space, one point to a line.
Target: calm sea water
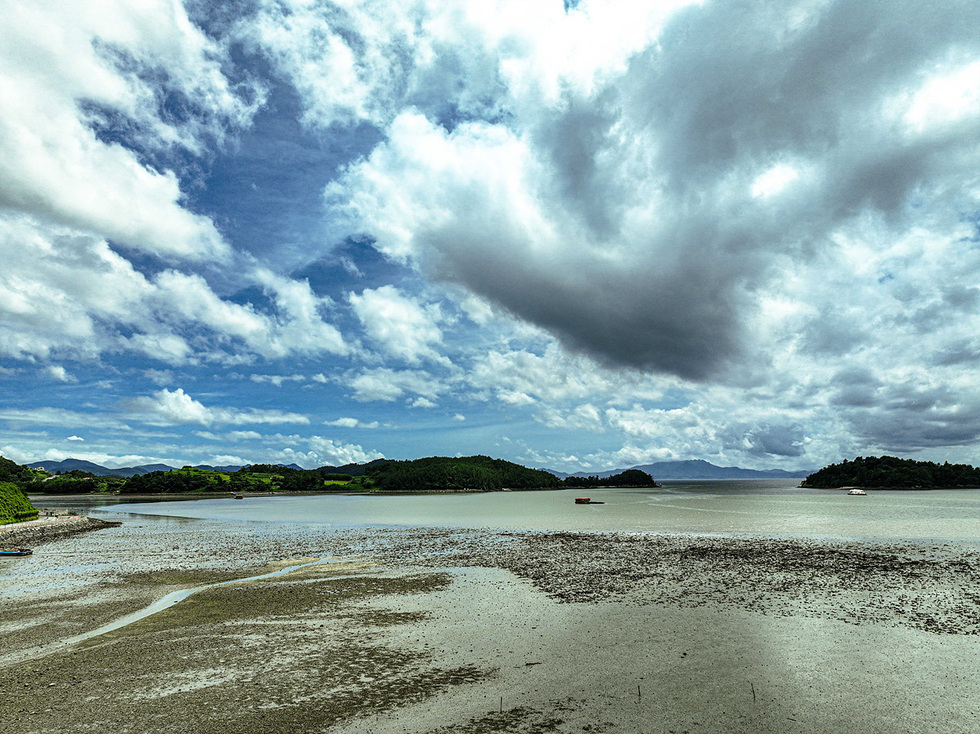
745 507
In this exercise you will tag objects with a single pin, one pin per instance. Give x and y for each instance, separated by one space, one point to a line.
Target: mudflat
432 631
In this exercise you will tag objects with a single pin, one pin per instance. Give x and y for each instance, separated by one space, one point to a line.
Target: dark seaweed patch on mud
918 587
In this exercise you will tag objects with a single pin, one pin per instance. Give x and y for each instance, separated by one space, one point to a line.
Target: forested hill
628 478
448 473
889 471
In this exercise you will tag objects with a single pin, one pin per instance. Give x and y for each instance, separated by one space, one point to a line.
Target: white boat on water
857 492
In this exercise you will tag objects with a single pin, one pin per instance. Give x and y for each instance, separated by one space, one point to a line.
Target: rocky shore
431 631
47 530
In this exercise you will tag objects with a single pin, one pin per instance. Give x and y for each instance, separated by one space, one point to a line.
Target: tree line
628 478
890 471
436 473
448 473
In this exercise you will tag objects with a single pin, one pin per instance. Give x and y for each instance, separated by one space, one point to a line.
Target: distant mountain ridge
80 464
127 471
692 469
700 469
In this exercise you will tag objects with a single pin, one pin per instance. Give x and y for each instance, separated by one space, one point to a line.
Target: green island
889 472
431 474
628 478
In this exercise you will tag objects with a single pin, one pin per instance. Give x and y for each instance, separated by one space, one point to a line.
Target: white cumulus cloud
351 423
65 68
403 328
175 407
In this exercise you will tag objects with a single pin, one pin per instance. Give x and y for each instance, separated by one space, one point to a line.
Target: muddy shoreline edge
38 532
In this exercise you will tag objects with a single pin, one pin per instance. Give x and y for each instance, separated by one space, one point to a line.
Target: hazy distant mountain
228 468
695 469
70 465
144 468
127 471
699 469
97 469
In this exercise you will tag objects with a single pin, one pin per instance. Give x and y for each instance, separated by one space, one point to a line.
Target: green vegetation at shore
255 478
16 474
77 481
14 505
447 474
434 473
889 471
628 478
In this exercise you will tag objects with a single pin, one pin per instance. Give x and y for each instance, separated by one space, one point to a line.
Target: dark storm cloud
576 140
906 415
766 440
965 352
962 298
667 324
731 88
855 388
901 431
665 202
834 333
737 82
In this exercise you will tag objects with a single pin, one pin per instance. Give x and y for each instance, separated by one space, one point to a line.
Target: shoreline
246 495
430 631
50 529
893 489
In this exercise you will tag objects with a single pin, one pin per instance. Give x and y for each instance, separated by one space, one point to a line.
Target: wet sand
428 631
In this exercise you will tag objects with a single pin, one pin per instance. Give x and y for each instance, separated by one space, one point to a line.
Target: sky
578 236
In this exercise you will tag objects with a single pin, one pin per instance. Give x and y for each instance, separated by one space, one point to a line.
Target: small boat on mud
239 496
587 501
15 552
857 492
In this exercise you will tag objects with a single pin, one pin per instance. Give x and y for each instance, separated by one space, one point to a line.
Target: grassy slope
14 505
